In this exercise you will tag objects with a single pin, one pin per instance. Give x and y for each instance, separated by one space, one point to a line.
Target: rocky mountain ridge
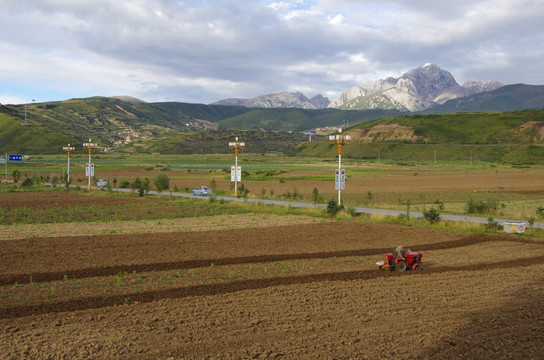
418 89
282 99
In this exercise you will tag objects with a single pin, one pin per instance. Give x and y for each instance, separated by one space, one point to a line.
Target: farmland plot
303 290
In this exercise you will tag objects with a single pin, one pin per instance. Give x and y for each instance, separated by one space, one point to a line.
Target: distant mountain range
119 121
279 100
427 89
419 89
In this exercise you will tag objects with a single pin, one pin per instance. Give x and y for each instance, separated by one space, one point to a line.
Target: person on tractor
399 252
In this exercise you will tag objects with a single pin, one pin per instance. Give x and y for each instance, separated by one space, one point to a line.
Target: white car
202 191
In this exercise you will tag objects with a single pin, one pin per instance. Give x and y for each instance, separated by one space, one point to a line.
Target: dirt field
302 291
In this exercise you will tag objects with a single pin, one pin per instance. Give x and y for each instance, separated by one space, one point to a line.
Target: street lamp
68 149
340 174
89 168
236 173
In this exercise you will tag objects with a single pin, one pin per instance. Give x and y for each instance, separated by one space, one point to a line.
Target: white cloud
202 51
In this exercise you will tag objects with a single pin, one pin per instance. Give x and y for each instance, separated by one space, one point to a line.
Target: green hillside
291 119
216 142
111 121
506 98
471 128
515 137
15 138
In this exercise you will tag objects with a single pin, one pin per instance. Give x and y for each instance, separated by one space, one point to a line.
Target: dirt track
297 292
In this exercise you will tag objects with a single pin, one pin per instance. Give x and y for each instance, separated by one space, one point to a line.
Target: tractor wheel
400 266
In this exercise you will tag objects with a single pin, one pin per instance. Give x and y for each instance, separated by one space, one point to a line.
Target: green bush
161 181
16 176
316 196
489 206
433 216
28 182
333 208
540 211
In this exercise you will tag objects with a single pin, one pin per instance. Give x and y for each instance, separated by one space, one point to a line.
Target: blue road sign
15 157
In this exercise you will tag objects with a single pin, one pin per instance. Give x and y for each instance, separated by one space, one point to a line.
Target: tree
54 180
137 184
28 182
333 208
433 216
162 182
16 176
316 196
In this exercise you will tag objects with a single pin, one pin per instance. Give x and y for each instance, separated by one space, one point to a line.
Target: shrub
124 184
16 176
489 206
316 196
540 211
137 184
333 208
54 180
433 216
161 181
36 178
243 191
28 182
369 198
440 204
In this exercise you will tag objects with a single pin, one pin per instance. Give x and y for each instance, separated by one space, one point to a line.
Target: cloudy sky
203 51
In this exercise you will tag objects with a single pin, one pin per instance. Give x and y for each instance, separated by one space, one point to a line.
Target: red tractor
401 260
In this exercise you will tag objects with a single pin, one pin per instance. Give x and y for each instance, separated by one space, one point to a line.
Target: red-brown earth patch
295 292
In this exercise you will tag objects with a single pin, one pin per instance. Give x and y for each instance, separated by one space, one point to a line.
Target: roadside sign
89 171
15 157
236 175
2 160
340 179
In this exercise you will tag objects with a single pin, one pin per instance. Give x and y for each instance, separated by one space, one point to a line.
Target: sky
203 51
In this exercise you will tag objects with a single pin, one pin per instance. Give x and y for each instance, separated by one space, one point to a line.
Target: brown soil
384 132
46 200
306 291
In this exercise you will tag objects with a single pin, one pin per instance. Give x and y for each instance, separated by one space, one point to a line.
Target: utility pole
68 149
340 174
236 173
89 168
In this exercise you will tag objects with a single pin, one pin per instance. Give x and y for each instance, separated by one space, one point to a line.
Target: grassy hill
515 137
109 121
176 128
214 142
15 138
290 119
506 98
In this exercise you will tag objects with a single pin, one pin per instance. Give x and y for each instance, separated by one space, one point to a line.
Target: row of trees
161 181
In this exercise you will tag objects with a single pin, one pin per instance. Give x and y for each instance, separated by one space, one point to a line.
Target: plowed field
304 291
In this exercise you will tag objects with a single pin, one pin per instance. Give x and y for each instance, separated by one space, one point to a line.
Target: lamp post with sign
236 172
89 168
68 149
340 174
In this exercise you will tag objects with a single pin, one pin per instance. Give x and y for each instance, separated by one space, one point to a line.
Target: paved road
362 210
